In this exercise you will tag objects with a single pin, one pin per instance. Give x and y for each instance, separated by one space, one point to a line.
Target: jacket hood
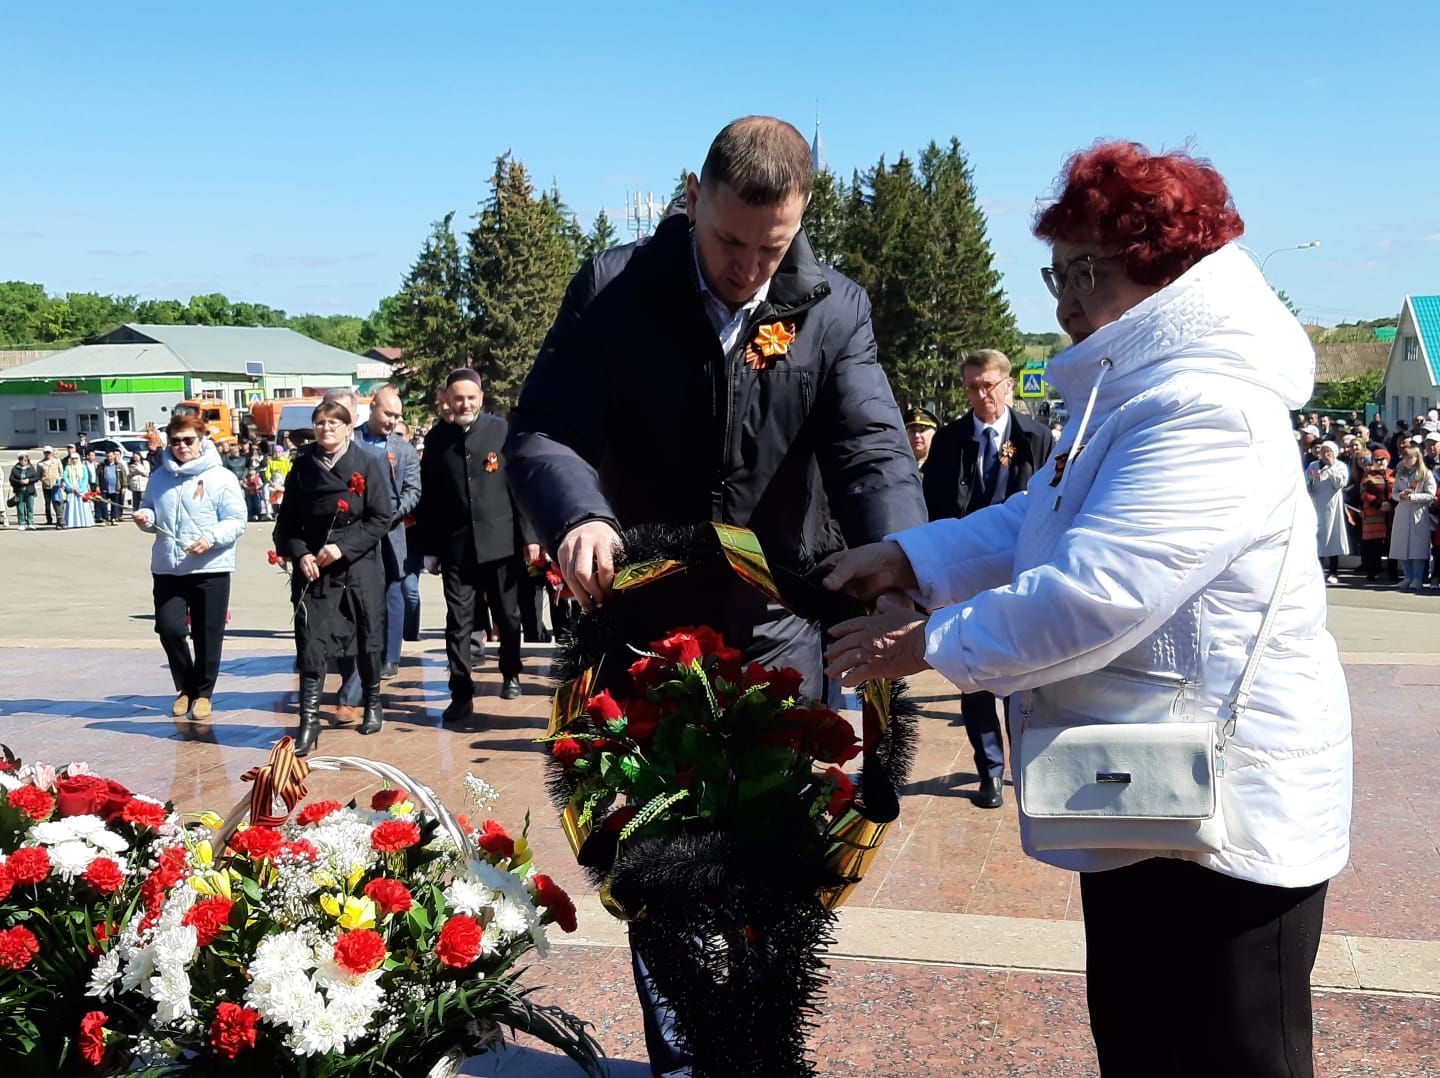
209 458
1219 317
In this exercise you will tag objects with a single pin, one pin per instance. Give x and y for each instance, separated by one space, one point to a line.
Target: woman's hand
140 518
310 567
329 555
199 546
889 643
868 572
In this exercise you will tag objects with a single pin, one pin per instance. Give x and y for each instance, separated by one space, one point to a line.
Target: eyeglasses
988 389
1079 274
184 441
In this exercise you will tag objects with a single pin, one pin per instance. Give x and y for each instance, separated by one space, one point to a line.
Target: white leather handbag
1112 759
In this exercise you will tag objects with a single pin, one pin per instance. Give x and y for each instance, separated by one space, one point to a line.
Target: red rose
6 883
233 1030
314 813
104 875
394 835
834 740
209 916
90 795
642 718
493 840
603 708
258 843
389 896
273 558
459 942
680 648
782 684
143 813
359 951
552 897
18 946
31 801
647 673
29 865
616 821
383 799
92 1038
567 750
341 505
301 850
843 794
357 483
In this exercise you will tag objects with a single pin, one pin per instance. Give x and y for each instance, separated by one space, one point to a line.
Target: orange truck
216 416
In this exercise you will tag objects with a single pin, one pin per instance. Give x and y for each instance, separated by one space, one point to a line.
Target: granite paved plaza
956 956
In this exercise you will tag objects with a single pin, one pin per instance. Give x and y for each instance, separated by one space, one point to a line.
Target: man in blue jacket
715 372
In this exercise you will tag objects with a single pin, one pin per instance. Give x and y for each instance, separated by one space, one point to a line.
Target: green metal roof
1426 310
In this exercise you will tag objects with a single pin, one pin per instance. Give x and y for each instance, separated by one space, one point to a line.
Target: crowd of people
1373 490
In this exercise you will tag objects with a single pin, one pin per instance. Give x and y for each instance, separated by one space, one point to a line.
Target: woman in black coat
337 508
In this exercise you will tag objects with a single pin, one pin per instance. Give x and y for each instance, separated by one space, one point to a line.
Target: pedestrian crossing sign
1032 382
253 397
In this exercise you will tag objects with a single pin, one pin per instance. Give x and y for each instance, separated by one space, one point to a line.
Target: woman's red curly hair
1162 213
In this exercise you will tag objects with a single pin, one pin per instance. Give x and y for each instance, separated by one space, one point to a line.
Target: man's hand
587 561
889 643
533 553
868 572
329 555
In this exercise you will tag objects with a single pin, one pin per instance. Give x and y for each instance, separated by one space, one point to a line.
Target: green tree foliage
825 217
601 237
428 316
520 256
379 328
1350 394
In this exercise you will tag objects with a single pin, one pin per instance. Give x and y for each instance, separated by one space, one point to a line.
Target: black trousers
1193 973
982 727
205 597
494 583
47 496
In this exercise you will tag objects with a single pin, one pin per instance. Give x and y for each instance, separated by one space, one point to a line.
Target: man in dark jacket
471 532
403 466
981 459
715 372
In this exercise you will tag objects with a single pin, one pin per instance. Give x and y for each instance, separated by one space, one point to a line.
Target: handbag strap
1241 702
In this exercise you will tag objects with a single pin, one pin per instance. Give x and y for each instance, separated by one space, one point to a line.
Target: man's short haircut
347 397
332 408
986 359
763 160
386 388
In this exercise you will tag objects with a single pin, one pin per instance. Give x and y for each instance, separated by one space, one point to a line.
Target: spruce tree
521 255
427 318
602 236
825 217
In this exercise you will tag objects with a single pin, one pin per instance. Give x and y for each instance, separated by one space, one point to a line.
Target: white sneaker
1332 579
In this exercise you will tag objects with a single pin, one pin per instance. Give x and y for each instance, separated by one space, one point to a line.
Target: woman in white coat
1326 479
1411 532
1129 585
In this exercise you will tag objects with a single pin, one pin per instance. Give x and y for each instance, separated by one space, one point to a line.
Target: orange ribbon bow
771 341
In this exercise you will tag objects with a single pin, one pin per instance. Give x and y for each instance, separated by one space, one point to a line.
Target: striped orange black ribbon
282 776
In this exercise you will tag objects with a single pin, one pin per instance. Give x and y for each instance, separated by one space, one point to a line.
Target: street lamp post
1296 247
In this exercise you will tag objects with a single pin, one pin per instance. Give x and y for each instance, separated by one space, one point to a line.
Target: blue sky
296 154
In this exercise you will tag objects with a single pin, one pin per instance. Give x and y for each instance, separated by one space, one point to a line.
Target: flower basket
689 788
343 941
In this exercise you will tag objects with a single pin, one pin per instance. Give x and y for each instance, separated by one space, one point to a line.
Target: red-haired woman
1131 585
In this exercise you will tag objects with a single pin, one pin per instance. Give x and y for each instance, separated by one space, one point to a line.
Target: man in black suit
981 459
471 532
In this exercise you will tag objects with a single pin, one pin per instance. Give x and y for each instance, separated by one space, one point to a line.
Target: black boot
373 718
309 713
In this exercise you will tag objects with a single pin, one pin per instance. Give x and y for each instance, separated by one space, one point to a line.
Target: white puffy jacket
1158 552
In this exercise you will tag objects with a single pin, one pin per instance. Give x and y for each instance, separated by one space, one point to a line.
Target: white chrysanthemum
170 989
282 954
108 840
9 781
464 895
177 905
356 997
288 1000
512 918
54 832
104 975
70 859
482 795
174 947
325 1034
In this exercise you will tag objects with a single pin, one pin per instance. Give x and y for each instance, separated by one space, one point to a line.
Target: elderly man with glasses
981 459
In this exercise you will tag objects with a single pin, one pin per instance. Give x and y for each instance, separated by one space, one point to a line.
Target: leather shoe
989 795
510 690
459 711
181 706
200 709
388 671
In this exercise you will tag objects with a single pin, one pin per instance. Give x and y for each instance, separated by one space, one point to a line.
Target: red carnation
18 946
394 835
301 850
389 896
316 812
29 865
493 839
272 557
459 942
143 813
104 875
844 791
6 883
359 951
90 795
258 843
174 863
552 897
603 708
233 1030
31 801
680 648
341 505
357 483
384 799
209 916
567 750
92 1038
